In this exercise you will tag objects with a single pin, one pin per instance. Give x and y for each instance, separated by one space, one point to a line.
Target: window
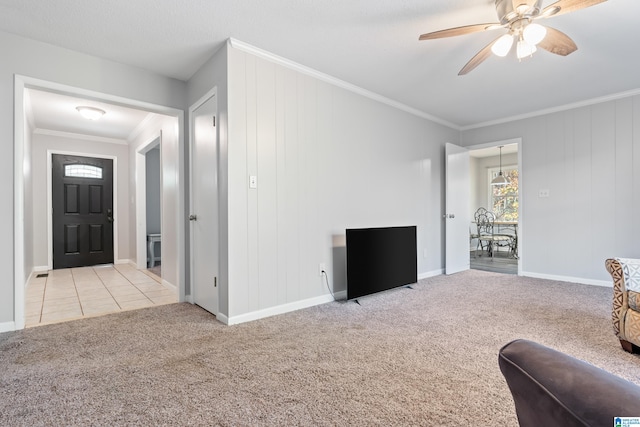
503 199
82 171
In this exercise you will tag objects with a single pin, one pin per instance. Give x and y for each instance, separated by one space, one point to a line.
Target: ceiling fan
517 17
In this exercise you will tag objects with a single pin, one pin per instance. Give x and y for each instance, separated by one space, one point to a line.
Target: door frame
211 93
20 276
50 153
141 202
521 227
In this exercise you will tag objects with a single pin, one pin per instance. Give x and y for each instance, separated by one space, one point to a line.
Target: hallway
76 293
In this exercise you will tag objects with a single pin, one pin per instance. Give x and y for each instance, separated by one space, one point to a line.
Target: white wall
173 258
46 62
589 160
214 73
326 159
44 142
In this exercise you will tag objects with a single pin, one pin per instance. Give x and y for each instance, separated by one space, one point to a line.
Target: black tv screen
379 259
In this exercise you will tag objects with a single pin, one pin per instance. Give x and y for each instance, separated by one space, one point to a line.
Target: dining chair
486 236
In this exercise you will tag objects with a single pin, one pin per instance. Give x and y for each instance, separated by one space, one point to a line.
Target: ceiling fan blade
558 42
458 31
478 59
565 6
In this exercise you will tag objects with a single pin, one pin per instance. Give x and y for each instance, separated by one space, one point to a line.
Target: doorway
82 211
468 185
28 231
501 201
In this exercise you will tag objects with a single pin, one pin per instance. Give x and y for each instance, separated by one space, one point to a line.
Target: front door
204 207
82 200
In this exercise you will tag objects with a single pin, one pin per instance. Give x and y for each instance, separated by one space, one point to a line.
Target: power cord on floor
326 279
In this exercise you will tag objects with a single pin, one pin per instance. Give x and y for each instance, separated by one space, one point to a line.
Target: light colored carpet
426 356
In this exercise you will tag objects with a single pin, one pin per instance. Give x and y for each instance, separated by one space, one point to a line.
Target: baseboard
431 273
281 309
40 269
581 280
222 318
124 261
340 295
7 327
169 285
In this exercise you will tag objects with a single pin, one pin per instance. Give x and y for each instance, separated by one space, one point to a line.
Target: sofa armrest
550 388
620 303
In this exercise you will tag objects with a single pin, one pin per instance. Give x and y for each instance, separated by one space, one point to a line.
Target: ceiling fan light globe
502 46
525 49
534 34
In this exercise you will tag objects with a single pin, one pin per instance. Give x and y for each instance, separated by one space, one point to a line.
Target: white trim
141 127
579 280
552 110
169 285
40 269
18 208
432 273
8 327
521 201
280 309
141 201
50 153
124 261
49 86
236 44
222 318
340 295
72 135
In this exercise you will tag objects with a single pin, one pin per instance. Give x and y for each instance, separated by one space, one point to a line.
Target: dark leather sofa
550 388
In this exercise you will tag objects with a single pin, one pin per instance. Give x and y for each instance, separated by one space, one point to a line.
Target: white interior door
204 206
457 216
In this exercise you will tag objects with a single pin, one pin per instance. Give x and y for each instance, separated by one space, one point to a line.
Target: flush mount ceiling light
90 113
517 17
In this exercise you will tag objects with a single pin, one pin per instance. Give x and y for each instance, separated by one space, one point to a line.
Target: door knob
193 217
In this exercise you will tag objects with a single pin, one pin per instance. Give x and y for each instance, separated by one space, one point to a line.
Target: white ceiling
54 112
369 43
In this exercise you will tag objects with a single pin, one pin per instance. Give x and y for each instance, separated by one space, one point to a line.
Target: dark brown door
82 196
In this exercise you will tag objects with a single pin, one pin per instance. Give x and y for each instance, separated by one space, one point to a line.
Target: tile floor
76 293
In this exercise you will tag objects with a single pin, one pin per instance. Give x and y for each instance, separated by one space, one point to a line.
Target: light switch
253 181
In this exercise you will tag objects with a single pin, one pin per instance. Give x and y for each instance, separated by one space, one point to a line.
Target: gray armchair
550 388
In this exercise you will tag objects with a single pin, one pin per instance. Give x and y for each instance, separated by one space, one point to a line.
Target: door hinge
214 121
215 282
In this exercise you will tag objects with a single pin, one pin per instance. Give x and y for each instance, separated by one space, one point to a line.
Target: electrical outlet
543 192
321 268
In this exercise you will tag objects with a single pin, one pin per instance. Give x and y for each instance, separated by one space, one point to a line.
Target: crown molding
566 107
141 126
236 44
72 135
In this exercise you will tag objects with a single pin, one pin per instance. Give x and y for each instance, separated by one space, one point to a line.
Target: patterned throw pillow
631 270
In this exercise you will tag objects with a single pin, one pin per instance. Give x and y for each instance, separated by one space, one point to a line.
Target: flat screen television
379 259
